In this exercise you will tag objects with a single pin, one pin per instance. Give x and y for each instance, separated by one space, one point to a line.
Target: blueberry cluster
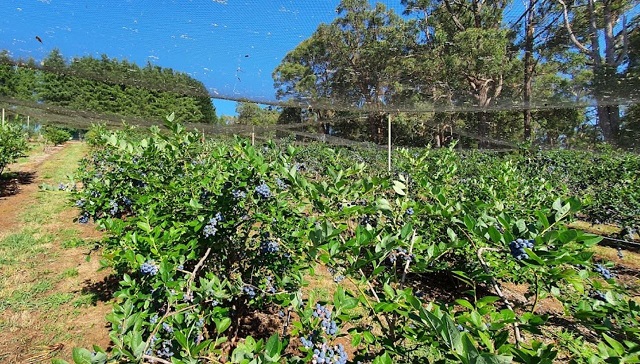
269 246
409 211
262 190
211 228
606 274
281 184
80 202
517 248
599 296
152 343
337 277
114 207
341 205
326 354
165 350
238 194
402 253
84 218
270 288
249 291
126 201
166 327
149 268
368 220
328 325
299 167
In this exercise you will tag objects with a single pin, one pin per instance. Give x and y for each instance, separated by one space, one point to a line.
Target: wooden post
389 141
253 136
28 122
2 117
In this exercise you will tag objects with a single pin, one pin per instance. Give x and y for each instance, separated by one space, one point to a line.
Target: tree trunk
605 70
609 122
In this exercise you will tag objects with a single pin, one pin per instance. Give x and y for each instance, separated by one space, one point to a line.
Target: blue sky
232 46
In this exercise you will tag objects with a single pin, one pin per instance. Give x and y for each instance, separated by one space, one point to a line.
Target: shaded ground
49 279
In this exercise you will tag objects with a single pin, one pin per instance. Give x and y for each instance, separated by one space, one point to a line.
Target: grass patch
70 273
52 172
57 299
76 242
27 298
87 299
15 246
36 149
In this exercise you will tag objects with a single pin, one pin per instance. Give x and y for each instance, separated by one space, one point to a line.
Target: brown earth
36 334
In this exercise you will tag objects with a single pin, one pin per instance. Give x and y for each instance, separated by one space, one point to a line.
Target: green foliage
13 143
107 86
204 235
253 114
55 135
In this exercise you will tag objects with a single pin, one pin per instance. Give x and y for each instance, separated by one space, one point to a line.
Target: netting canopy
536 70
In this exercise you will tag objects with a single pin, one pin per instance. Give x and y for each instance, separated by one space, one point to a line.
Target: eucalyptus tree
356 61
589 25
468 47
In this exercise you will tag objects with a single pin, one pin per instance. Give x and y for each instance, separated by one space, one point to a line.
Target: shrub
55 135
13 144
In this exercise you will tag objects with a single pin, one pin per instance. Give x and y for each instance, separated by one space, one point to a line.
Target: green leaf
383 204
81 356
465 303
368 337
388 291
383 359
222 325
619 349
494 234
182 340
144 226
273 346
399 187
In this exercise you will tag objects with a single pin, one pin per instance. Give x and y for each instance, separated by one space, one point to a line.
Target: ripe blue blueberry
263 190
149 268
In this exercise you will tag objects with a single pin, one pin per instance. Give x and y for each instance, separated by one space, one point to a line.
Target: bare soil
36 334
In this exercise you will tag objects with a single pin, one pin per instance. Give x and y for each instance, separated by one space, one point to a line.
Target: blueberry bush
13 143
207 236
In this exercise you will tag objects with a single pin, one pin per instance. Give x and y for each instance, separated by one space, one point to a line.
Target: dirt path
52 297
18 187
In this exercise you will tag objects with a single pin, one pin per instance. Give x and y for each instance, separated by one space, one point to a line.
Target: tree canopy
107 85
448 54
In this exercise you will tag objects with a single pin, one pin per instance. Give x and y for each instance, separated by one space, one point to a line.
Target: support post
28 126
389 141
253 136
3 117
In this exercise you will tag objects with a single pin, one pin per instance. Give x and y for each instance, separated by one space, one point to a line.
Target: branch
195 270
454 17
496 287
154 359
625 41
575 40
406 264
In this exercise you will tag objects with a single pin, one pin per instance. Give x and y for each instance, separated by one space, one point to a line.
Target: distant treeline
106 85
